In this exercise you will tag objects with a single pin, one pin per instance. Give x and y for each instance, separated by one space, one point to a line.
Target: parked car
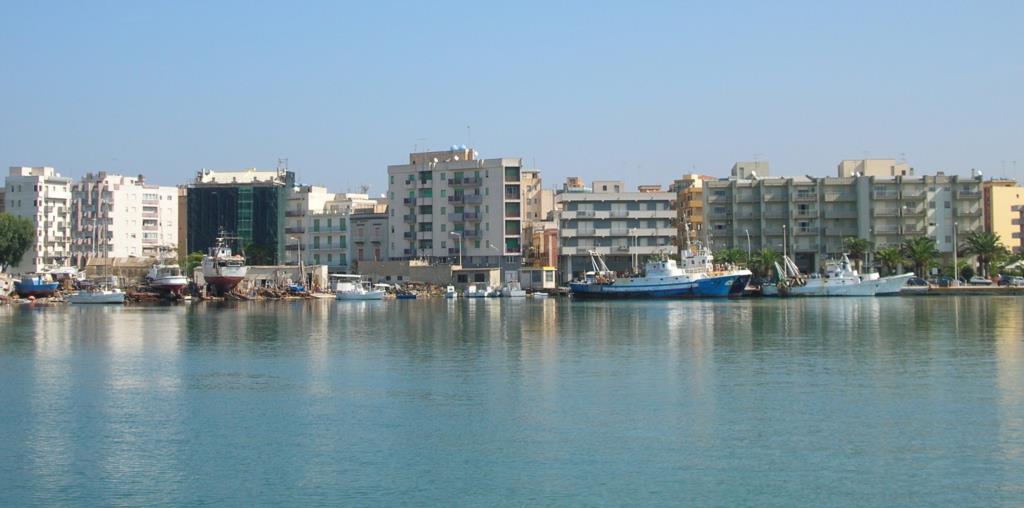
946 281
917 281
978 280
1011 280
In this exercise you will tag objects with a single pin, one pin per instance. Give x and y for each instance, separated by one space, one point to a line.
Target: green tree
921 252
857 248
17 234
890 258
731 256
192 261
257 254
985 246
763 262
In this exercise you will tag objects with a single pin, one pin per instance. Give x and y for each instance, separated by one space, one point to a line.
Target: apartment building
247 204
116 216
814 215
689 192
1003 201
325 230
3 203
370 236
440 197
183 247
624 227
43 195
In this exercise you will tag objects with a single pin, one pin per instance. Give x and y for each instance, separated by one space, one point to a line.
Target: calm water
867 402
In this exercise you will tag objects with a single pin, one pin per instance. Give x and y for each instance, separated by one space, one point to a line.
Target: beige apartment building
443 201
1003 202
624 227
813 215
689 206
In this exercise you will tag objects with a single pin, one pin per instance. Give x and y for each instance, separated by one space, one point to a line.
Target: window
949 239
945 204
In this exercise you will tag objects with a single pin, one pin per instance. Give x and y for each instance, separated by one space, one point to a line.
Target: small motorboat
512 289
352 287
473 292
450 292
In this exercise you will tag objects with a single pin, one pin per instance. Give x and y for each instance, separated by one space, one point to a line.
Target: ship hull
172 285
223 283
669 287
35 290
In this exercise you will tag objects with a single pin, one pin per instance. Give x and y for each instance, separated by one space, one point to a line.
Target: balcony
915 196
880 195
841 214
841 232
972 212
915 212
294 229
474 199
425 183
409 201
802 196
471 216
409 217
840 196
806 213
877 212
471 234
887 229
806 231
960 194
293 213
457 198
618 214
467 181
456 217
585 214
409 235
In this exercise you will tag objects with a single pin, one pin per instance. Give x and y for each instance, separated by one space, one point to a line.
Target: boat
36 285
840 280
404 294
167 278
888 286
512 289
353 287
103 291
537 294
661 278
473 292
450 292
222 269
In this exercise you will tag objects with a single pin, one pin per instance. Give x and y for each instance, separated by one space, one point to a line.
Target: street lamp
784 242
956 269
501 267
298 243
453 233
747 231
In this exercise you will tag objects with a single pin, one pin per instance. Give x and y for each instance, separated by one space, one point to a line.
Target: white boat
512 289
105 291
840 280
537 294
473 292
450 292
167 278
223 269
353 287
887 286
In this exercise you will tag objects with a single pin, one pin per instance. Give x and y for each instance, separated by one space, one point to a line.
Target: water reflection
401 402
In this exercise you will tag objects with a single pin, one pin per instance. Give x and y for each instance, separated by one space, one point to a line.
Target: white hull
96 297
359 295
173 283
891 285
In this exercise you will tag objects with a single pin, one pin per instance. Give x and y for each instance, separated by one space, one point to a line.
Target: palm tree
730 256
890 257
920 251
857 248
763 262
986 246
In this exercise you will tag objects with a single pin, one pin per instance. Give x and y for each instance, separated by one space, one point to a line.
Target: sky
640 91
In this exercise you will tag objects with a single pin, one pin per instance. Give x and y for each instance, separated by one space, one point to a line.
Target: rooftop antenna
416 145
903 157
469 136
364 189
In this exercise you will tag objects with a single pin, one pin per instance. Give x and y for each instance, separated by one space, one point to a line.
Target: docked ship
167 278
222 269
36 285
662 278
840 279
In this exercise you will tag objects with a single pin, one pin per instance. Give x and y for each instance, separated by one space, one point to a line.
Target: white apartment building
116 216
624 227
814 215
41 194
441 201
317 223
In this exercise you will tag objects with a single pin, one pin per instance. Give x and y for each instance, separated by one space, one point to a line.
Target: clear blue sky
596 89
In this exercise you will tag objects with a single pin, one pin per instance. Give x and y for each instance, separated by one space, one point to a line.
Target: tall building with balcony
116 216
247 204
814 215
325 228
43 195
1003 200
369 232
442 201
624 227
689 207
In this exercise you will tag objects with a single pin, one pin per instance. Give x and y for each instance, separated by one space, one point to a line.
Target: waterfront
873 401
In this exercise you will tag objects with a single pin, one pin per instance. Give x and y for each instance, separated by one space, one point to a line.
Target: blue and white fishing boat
662 278
36 285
